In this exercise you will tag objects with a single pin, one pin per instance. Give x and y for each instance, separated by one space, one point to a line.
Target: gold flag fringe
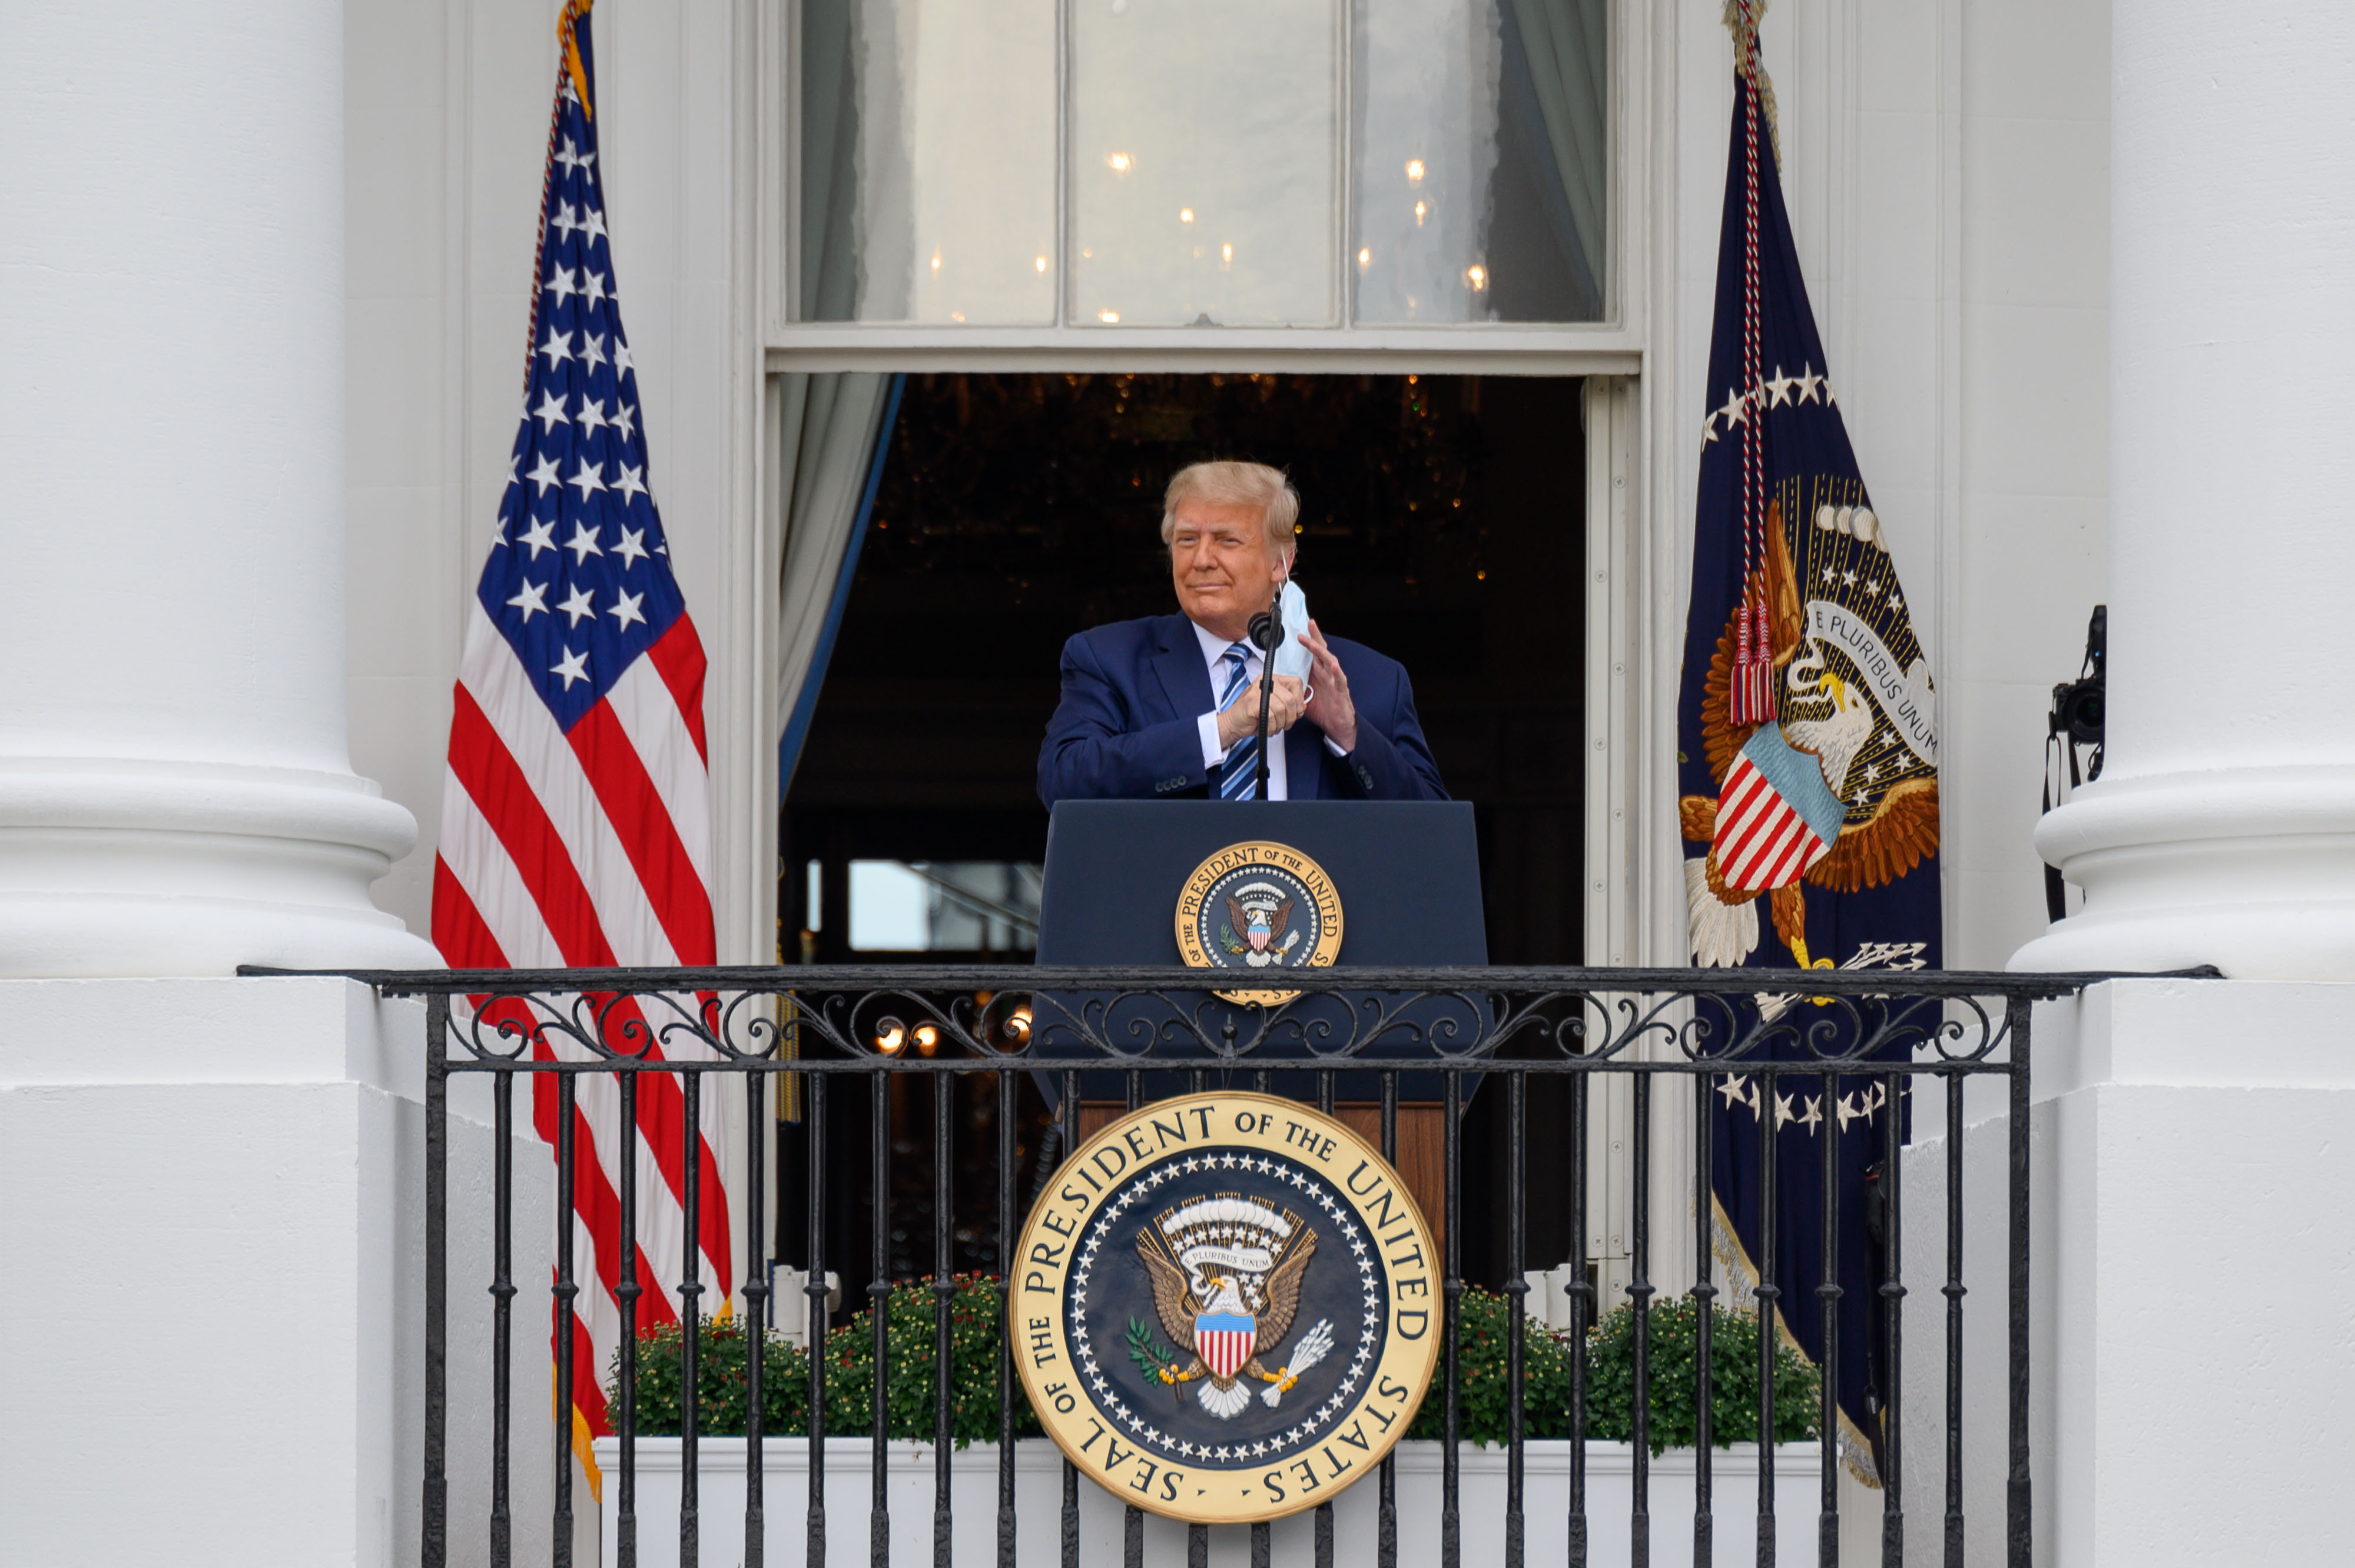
1725 1242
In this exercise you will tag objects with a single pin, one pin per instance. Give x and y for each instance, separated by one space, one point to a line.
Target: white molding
1461 351
908 1480
1656 880
743 771
1945 639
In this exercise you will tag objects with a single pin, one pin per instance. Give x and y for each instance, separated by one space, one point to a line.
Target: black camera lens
2082 711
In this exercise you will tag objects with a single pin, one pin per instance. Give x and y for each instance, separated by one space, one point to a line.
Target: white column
2224 829
214 1195
176 795
2193 1379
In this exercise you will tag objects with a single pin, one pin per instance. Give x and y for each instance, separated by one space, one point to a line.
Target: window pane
909 906
1482 160
928 160
1202 162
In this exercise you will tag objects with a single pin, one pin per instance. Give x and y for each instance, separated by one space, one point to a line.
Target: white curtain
826 434
1568 45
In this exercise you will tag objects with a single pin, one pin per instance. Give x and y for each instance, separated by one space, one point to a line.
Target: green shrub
1481 1371
1482 1321
1675 1364
849 1360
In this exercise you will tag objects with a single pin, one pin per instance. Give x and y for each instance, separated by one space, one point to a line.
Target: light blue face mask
1292 655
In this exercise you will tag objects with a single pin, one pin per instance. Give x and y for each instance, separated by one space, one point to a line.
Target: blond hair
1235 484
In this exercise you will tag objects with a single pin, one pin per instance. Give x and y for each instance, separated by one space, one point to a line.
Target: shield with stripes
1775 816
1223 1339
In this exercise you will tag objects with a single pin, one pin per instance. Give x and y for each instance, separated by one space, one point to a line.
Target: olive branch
1147 1352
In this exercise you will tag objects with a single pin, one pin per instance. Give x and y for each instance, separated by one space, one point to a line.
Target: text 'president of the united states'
1168 706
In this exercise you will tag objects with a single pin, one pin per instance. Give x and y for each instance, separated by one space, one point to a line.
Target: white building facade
2085 276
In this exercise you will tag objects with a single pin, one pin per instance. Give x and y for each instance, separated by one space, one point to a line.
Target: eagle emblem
1226 1274
1839 787
1258 916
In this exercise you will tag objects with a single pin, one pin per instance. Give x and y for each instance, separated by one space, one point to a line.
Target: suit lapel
1177 663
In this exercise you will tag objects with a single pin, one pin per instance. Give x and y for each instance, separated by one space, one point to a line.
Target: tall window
1202 162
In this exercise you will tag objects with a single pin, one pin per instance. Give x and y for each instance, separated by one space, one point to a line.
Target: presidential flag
1808 770
575 815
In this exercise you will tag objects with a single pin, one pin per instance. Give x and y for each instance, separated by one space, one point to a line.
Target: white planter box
1038 1491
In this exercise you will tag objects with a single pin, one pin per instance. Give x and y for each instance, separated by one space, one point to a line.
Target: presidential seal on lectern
1226 1307
1258 906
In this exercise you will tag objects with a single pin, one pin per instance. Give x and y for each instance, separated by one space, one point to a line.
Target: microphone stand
1267 636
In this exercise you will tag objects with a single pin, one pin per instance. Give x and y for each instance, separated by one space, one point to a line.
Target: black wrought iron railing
1147 1032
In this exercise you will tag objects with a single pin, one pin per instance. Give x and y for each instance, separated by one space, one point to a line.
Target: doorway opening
1442 522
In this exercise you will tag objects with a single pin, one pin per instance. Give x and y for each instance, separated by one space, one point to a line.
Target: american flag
575 817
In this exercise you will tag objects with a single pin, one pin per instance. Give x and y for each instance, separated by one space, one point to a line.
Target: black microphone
1266 634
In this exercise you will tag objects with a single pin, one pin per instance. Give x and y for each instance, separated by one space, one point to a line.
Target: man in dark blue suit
1168 706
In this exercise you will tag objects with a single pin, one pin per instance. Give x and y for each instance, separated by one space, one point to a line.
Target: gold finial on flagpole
1742 21
575 13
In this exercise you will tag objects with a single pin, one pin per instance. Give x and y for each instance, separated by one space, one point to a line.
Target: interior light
1108 317
1477 277
1226 255
1040 263
890 1040
1017 1024
1185 214
1419 209
956 315
928 1039
1121 163
1365 259
1413 170
937 257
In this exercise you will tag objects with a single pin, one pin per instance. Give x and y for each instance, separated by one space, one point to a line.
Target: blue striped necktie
1239 774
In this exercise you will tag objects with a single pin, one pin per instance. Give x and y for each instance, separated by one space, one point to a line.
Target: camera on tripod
2080 709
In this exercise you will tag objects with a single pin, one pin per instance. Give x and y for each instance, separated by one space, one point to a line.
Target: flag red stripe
677 656
1747 795
459 932
1755 842
1768 846
467 942
483 767
636 809
479 760
480 763
1793 855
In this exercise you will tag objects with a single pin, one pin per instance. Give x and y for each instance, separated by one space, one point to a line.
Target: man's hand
1242 716
1332 711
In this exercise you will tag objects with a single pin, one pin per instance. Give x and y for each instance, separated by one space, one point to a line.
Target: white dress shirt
1214 654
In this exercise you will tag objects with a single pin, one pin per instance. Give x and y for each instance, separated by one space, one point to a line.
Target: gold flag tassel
1742 21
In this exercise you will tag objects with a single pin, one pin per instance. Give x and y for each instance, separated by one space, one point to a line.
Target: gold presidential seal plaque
1259 906
1225 1307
